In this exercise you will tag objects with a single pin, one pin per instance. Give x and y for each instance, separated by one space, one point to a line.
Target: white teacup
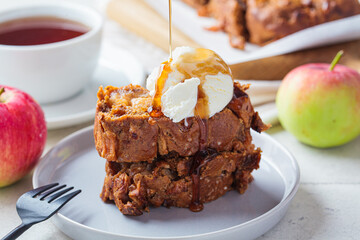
55 71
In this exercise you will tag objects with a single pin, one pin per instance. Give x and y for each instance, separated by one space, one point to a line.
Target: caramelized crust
122 129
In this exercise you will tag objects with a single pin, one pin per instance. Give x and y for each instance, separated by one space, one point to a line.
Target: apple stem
2 90
336 59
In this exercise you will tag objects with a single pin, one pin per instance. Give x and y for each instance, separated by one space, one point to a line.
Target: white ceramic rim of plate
284 201
135 77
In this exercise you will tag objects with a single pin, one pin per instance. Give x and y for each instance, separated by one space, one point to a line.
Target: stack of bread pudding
183 141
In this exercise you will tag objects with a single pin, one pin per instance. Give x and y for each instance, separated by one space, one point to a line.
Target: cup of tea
49 50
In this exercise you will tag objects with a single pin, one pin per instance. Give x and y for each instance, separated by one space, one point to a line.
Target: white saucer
74 161
116 67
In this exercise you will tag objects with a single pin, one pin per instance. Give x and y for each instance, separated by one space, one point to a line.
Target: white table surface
327 205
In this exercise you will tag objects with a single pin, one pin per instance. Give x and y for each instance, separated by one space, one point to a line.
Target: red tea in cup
39 30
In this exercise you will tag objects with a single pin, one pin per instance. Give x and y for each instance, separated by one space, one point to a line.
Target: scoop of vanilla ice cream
179 101
180 92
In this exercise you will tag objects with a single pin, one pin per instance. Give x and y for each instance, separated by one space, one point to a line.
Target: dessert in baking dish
182 142
264 21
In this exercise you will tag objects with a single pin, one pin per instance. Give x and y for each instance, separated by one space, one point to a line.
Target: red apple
22 134
320 104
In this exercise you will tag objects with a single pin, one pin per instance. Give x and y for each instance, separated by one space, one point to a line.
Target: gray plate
74 161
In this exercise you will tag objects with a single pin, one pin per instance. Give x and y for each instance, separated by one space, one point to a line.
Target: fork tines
42 189
50 193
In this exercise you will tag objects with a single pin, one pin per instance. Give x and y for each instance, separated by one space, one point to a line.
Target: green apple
320 104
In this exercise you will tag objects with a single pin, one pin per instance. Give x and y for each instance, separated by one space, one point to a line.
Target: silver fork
39 205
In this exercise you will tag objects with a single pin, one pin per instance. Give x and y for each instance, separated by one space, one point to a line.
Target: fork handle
14 234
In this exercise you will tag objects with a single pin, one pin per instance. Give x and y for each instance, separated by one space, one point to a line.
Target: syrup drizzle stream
200 159
170 37
159 86
155 111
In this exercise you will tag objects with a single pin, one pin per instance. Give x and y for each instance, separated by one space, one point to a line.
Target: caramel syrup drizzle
204 62
170 28
159 87
155 111
199 64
